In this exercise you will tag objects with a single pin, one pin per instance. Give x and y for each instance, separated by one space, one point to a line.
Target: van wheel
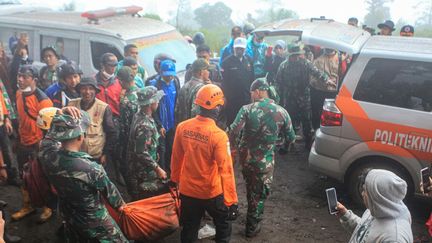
354 183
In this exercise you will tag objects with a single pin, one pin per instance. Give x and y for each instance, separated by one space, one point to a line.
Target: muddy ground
295 212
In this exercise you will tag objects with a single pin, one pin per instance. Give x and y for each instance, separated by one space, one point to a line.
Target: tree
377 12
183 18
213 16
152 16
71 6
425 13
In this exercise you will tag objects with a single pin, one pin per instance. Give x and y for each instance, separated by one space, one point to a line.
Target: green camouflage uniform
142 153
128 108
185 108
263 125
81 183
292 82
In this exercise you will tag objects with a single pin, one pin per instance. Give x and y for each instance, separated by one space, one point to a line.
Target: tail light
331 115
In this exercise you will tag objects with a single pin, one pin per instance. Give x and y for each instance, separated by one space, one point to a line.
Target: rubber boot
45 215
253 230
26 209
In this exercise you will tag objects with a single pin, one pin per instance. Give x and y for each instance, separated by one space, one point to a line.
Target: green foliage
423 31
377 12
213 16
273 14
424 11
152 16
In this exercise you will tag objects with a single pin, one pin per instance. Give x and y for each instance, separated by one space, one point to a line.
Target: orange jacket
201 161
28 107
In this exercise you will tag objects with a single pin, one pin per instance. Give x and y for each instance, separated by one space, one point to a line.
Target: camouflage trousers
300 112
259 177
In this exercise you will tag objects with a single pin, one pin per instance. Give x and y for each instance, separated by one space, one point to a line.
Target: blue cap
168 68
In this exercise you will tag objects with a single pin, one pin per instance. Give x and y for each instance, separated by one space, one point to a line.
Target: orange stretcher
149 219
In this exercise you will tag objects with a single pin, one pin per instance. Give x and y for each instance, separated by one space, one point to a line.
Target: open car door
319 32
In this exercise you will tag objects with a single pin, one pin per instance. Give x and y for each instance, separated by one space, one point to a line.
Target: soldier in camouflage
185 108
144 174
292 82
263 125
80 182
128 108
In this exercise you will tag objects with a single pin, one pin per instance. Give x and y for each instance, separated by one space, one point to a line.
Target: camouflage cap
149 95
65 127
296 48
260 84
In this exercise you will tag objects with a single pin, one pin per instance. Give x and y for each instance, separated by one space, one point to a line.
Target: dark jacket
237 78
271 66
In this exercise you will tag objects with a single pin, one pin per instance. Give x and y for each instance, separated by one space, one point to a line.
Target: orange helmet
209 96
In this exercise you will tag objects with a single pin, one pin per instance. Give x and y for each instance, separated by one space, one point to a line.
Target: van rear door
319 32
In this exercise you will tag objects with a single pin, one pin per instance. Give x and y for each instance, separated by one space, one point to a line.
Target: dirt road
295 212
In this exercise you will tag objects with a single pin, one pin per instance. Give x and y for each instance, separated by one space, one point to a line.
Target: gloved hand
233 212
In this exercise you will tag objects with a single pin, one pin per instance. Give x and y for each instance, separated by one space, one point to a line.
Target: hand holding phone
424 176
332 200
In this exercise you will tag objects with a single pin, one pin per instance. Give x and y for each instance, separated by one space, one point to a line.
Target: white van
84 40
381 117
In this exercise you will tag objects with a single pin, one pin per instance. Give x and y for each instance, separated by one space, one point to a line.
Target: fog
340 10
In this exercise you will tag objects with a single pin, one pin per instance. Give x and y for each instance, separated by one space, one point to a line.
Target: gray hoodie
387 219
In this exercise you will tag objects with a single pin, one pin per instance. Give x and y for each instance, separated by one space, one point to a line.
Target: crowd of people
155 133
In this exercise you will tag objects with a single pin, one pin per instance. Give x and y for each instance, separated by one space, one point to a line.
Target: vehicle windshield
171 43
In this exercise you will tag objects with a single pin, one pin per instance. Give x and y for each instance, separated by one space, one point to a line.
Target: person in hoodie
386 218
256 49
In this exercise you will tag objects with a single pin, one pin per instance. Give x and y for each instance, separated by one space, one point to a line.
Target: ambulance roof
124 26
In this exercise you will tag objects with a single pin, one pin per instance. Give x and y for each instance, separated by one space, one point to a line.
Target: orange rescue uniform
201 162
28 107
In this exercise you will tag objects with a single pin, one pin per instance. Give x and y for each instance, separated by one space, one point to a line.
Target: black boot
252 230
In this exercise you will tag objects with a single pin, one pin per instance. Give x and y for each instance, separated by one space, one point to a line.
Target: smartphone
424 176
331 200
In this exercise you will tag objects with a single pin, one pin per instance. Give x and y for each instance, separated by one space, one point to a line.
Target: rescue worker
63 91
228 50
262 125
186 108
128 108
133 64
328 62
256 49
6 130
109 84
238 74
407 30
203 51
292 81
131 50
353 21
156 65
386 28
273 61
49 73
101 136
165 118
144 174
202 167
80 182
29 100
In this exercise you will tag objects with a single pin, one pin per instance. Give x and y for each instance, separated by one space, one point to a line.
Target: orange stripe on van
366 129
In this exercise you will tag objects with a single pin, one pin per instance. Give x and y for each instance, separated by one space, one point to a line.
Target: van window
67 49
171 43
99 48
400 83
10 36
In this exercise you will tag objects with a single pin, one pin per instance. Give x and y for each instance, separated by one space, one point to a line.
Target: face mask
26 90
108 76
24 57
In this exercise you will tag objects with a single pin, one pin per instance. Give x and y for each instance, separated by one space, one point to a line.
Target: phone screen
332 200
424 174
